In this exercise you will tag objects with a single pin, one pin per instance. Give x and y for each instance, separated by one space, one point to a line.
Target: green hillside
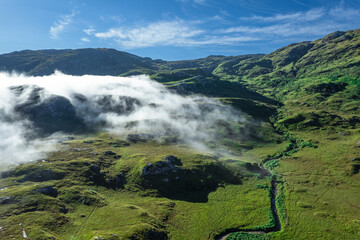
296 177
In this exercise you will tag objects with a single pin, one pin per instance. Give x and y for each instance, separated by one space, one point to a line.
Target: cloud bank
133 105
227 30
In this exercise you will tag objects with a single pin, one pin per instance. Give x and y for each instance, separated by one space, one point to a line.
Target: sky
171 29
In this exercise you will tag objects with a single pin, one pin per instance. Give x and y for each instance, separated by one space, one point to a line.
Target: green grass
96 208
247 236
320 196
302 104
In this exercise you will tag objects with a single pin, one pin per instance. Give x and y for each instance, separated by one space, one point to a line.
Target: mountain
335 53
74 62
100 61
338 51
290 169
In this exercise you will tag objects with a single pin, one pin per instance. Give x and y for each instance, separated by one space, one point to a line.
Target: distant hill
338 51
75 62
96 61
335 52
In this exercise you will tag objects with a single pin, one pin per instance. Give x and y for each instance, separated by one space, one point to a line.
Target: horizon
172 30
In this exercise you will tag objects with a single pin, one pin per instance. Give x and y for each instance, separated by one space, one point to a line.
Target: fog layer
32 108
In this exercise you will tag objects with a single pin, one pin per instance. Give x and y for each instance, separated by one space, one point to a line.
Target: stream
274 211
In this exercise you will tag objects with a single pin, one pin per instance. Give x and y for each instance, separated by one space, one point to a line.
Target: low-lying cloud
40 106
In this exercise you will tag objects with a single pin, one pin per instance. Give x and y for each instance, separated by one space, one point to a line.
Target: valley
248 147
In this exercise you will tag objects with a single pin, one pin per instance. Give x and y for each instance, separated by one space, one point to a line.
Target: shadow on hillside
218 88
191 185
253 108
200 196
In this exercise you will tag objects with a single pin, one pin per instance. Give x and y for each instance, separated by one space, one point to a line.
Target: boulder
49 191
162 167
63 209
173 160
115 182
154 234
111 153
95 169
95 175
7 200
355 168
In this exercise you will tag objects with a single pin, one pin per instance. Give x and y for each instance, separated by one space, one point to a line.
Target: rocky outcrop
327 89
355 166
102 178
41 175
49 113
162 167
154 234
48 190
121 105
7 200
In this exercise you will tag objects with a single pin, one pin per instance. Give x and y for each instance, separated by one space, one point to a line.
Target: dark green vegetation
307 98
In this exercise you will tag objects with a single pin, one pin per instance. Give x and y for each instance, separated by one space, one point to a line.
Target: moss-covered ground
101 193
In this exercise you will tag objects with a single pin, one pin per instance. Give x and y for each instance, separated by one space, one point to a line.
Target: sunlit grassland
322 195
128 213
97 210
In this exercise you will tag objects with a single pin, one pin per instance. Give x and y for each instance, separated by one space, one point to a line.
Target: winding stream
274 210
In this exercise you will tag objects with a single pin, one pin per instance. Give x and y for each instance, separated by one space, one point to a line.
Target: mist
34 108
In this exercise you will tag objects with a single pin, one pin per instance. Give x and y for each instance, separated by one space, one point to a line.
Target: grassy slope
320 92
321 196
320 186
97 209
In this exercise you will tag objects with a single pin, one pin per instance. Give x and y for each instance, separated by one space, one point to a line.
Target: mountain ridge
289 61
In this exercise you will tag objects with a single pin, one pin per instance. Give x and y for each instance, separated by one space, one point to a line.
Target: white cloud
61 25
264 30
310 15
162 33
302 25
89 31
173 33
342 12
217 18
315 22
285 30
119 105
221 40
84 39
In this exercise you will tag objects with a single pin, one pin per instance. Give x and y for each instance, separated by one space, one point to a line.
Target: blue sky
171 29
